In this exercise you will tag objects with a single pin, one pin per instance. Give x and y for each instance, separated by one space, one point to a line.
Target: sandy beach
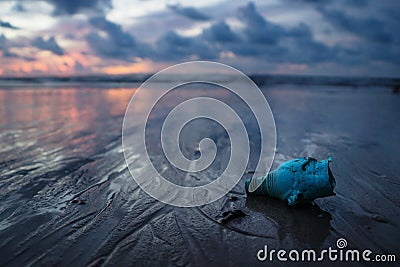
67 197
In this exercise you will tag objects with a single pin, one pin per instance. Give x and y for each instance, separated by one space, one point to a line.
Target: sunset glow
117 37
141 67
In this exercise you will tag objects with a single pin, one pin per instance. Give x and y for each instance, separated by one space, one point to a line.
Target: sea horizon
12 82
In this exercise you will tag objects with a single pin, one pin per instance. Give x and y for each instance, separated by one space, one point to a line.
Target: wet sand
67 198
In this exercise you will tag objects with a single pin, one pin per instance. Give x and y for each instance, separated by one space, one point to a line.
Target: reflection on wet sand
64 114
67 197
304 226
75 107
118 99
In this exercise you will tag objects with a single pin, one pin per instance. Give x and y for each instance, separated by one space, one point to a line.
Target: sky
86 37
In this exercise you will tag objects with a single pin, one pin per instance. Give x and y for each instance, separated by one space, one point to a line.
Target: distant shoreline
259 79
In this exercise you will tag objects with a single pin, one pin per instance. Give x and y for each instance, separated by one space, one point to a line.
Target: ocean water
67 197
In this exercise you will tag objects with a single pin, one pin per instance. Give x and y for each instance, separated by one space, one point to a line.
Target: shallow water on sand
66 196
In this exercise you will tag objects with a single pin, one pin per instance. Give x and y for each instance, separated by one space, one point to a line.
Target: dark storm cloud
220 32
3 42
366 52
374 23
259 38
5 24
109 40
172 46
353 3
78 67
301 47
266 40
270 41
370 28
19 7
116 43
357 3
114 31
4 48
259 30
48 45
189 12
70 7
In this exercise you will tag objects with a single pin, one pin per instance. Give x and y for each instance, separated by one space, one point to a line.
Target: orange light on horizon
29 67
140 67
46 63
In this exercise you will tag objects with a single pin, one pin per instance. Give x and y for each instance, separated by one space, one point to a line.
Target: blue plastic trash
296 181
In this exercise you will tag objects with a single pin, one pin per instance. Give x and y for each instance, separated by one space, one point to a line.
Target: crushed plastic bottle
296 181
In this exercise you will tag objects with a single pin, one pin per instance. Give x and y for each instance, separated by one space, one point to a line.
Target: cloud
78 67
172 46
259 38
9 54
5 45
3 42
220 32
275 43
364 53
350 35
5 24
352 3
369 28
19 7
114 42
70 7
4 48
357 3
258 29
373 23
189 12
48 45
